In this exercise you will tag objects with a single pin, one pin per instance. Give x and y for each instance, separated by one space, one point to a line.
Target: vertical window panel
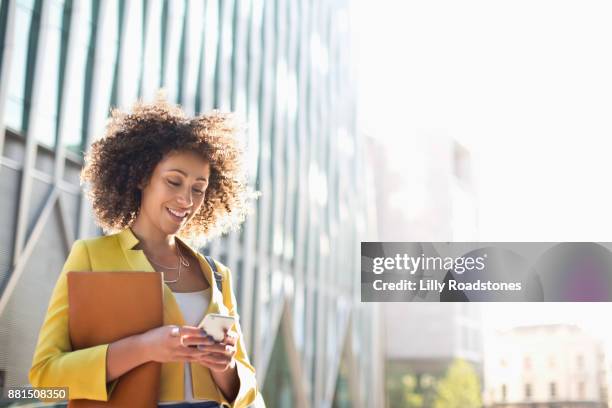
105 65
240 46
263 298
172 45
290 151
278 134
211 42
152 69
223 78
193 54
50 73
253 91
78 86
27 18
132 53
263 178
3 24
298 317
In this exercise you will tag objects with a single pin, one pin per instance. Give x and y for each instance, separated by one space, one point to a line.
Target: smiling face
175 192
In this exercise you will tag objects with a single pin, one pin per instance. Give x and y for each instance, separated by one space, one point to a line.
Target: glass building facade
284 67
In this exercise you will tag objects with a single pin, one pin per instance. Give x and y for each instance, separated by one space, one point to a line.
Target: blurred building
282 66
424 338
545 366
427 196
425 188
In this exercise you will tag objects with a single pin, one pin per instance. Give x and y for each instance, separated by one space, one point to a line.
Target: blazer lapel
135 257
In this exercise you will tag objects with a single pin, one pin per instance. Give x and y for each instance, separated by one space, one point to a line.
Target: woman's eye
199 192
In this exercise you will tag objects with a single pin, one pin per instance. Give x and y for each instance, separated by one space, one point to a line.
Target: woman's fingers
197 340
190 356
216 362
222 349
193 336
219 360
195 345
215 358
231 338
189 353
191 330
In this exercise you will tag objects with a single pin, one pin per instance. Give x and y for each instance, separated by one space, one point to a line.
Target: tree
401 390
460 387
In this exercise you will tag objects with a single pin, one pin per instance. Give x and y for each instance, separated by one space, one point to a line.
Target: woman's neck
151 239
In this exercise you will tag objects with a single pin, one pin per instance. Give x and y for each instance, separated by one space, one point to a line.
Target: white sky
526 85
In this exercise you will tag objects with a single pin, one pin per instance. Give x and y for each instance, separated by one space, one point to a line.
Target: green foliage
459 388
401 391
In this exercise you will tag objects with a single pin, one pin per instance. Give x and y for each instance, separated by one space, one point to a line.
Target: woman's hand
216 356
163 344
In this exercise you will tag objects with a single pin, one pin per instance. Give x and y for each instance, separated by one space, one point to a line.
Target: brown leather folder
108 306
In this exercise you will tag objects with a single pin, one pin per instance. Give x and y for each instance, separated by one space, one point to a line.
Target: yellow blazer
84 371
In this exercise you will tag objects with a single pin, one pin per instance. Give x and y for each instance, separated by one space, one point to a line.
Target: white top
193 306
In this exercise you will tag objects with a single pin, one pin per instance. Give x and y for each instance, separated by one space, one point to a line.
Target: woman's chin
171 228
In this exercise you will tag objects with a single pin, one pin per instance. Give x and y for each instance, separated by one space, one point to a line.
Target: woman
158 180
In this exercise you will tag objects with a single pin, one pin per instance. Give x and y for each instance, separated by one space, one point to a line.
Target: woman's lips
176 219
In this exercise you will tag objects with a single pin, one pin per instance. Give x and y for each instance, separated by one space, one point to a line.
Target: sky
526 87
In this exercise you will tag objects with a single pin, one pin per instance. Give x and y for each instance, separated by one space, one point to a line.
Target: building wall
284 68
428 197
549 359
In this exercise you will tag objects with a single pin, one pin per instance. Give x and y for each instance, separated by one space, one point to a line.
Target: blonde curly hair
135 142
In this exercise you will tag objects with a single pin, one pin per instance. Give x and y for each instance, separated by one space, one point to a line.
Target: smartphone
215 325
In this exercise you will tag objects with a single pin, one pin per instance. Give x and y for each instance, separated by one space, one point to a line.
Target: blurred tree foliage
460 387
405 389
401 392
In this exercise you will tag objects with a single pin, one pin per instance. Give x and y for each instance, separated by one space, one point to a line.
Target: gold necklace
181 261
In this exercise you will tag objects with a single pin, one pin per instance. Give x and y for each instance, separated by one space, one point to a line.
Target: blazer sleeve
54 363
247 392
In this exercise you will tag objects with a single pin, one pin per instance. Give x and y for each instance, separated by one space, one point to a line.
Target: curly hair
135 142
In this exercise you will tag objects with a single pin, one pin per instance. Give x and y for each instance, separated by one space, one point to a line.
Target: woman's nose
185 199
